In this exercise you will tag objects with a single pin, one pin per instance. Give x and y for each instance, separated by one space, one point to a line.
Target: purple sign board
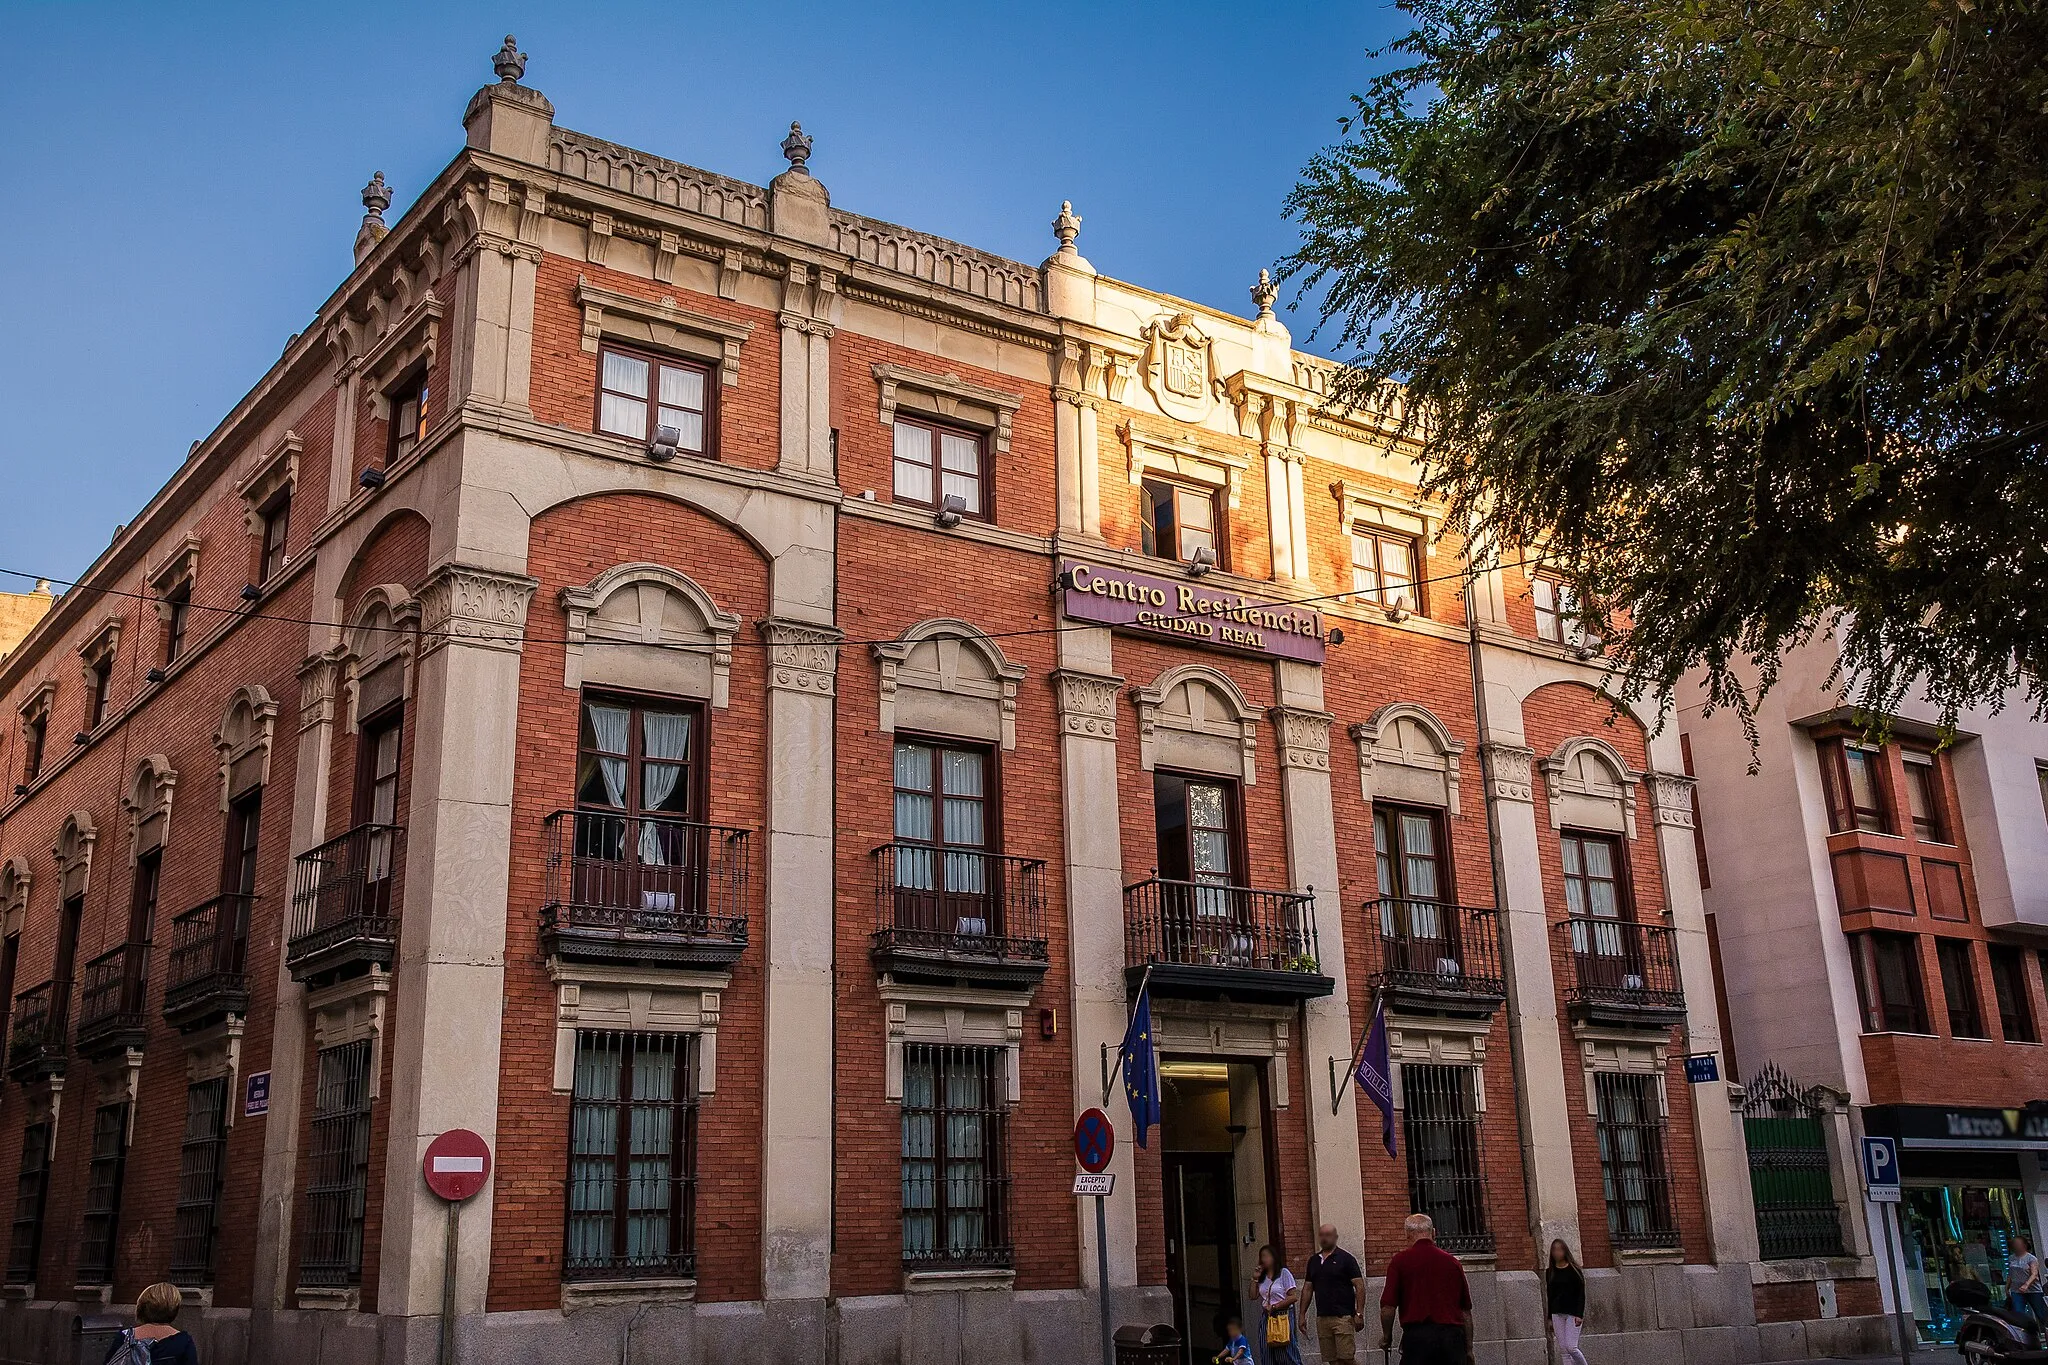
1185 609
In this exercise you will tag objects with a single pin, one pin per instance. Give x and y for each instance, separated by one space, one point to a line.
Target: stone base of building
1671 1314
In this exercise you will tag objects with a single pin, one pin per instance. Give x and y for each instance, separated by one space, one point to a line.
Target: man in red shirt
1426 1290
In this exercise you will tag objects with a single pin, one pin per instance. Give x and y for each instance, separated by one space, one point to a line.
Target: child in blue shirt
1236 1350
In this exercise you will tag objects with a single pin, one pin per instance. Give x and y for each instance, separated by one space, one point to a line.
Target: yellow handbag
1279 1329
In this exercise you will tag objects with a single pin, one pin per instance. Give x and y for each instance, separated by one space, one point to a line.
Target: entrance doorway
1214 1135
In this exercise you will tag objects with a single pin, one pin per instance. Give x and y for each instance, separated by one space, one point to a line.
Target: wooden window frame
1844 816
697 776
414 386
273 545
985 463
1924 774
1624 879
1440 835
2010 993
1234 830
96 705
35 745
1148 531
177 620
1378 537
682 1106
1879 1014
1960 998
1562 620
655 360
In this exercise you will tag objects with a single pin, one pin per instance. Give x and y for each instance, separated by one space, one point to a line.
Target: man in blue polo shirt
1426 1291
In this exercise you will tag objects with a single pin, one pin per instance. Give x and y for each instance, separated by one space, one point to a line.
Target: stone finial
797 148
376 199
510 62
1264 293
1067 226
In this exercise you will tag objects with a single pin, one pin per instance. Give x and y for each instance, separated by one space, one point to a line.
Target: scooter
1994 1336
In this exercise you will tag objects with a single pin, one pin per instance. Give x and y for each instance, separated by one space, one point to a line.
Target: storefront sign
1929 1125
1184 609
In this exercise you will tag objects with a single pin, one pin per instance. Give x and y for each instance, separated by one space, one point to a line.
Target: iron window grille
100 1233
338 1184
1446 1172
1959 987
1635 1177
202 1158
956 1173
1790 1176
31 1185
632 1205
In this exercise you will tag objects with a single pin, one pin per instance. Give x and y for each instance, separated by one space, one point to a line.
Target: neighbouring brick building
1880 912
730 699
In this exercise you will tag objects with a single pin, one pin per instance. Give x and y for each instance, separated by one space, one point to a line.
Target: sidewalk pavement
1929 1355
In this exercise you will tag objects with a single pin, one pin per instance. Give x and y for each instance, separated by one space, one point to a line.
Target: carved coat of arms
1179 368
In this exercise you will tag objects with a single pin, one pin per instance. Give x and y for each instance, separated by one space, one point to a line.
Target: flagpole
1337 1090
1115 1066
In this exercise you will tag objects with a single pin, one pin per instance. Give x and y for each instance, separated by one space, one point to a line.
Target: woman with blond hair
152 1338
1564 1294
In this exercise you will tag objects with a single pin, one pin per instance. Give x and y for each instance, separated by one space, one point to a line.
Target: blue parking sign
1881 1169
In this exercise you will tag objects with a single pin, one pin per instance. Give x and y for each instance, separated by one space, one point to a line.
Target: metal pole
447 1355
1905 1325
1102 1280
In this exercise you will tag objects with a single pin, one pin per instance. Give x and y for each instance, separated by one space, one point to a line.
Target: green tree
1736 307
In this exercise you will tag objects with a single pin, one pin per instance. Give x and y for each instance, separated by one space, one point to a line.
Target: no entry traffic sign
457 1164
1094 1140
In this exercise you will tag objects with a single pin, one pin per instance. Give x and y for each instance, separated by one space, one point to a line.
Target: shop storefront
1970 1189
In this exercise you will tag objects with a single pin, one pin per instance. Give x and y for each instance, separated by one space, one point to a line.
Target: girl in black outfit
1564 1293
155 1308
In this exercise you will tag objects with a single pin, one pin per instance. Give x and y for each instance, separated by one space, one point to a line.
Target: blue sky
184 186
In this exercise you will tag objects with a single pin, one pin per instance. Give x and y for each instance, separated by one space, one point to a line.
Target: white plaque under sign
1099 1185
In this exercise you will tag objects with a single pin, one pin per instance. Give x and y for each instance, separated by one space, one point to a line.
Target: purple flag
1375 1074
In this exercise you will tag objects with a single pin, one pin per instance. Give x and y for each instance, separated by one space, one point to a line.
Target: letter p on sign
1881 1169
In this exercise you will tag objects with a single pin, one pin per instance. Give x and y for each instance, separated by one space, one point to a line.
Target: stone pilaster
446 1007
319 693
1302 730
1086 694
809 293
1532 996
796 1196
1724 1164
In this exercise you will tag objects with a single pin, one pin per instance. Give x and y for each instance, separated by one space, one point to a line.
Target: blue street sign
1881 1169
1702 1068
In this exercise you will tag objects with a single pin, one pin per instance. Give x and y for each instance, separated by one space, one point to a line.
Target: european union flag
1141 1066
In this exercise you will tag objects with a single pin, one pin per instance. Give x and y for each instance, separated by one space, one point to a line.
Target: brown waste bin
1158 1344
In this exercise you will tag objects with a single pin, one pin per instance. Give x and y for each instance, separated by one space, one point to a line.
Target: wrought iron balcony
1621 972
647 889
959 916
1222 942
35 1048
206 980
345 903
112 1014
1438 958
